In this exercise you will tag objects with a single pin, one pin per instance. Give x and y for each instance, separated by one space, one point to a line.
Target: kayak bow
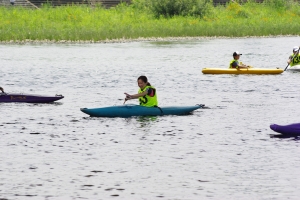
291 129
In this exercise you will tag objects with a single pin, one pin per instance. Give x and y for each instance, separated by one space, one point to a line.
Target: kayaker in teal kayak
235 63
294 59
147 94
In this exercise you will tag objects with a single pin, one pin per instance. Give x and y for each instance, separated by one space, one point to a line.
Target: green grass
76 23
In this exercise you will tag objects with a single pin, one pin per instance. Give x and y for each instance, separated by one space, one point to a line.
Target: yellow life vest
296 60
231 62
147 100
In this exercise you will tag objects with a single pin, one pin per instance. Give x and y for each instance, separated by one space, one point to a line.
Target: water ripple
226 151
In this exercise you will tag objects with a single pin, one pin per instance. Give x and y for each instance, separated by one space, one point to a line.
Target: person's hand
128 96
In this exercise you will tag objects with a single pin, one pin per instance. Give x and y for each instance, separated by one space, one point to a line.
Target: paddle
292 59
2 90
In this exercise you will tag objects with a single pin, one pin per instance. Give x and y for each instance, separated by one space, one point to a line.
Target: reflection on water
54 151
146 120
285 136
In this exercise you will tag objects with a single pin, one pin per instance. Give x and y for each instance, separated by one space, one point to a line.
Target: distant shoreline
141 39
135 23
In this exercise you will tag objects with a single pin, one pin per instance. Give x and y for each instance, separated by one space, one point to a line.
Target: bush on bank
170 8
142 19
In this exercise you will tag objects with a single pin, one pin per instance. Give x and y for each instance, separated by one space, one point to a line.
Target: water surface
54 151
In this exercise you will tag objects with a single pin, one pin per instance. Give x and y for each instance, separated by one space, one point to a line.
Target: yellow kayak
241 71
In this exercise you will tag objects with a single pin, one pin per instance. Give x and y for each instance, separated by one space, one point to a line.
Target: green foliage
238 10
46 5
137 20
170 8
279 4
140 4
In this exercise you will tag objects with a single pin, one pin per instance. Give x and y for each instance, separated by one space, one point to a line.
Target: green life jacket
296 60
231 62
147 100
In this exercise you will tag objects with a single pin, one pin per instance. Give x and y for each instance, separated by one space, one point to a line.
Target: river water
54 151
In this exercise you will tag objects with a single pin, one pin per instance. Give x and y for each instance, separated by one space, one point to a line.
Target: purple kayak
27 98
291 129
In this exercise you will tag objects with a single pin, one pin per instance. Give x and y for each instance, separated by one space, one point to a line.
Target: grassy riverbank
130 22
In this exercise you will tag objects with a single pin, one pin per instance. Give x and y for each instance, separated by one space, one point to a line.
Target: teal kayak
130 110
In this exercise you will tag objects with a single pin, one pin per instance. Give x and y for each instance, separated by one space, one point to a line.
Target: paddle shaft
292 59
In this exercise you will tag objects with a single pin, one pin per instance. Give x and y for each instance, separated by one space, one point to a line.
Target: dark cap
236 53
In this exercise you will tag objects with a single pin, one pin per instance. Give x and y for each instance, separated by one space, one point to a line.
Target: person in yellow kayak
294 59
235 63
147 94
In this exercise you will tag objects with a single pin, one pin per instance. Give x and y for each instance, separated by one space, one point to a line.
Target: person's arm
237 65
135 96
243 66
290 60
